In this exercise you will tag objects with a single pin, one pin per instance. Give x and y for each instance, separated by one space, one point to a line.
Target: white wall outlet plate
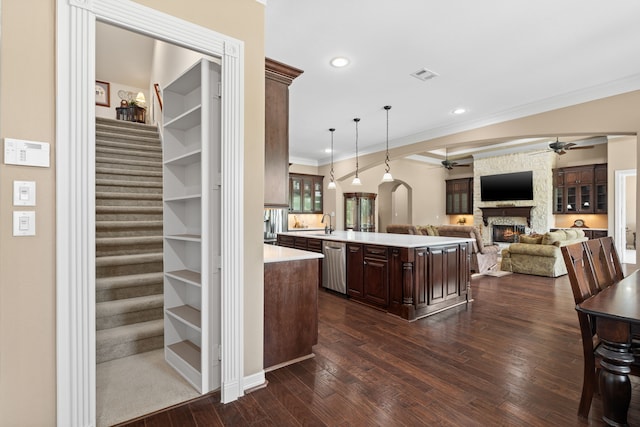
24 223
24 193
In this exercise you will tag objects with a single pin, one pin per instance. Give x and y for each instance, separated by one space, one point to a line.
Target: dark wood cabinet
355 271
580 189
459 196
305 193
278 77
376 275
600 189
408 282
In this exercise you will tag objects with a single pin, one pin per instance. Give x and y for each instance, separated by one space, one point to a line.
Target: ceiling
498 59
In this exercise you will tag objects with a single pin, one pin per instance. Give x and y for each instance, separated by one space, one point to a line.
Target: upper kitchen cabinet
278 78
459 196
580 189
305 193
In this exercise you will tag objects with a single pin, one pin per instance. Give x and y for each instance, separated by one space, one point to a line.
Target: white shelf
185 237
185 357
186 314
186 198
185 159
186 120
186 276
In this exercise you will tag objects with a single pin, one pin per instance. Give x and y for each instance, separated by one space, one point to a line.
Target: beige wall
27 264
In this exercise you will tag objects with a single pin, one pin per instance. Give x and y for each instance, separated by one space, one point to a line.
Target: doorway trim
75 192
620 220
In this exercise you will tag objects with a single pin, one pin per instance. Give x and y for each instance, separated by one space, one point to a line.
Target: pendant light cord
386 161
356 120
331 173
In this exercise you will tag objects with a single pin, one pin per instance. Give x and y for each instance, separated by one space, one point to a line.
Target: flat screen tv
506 187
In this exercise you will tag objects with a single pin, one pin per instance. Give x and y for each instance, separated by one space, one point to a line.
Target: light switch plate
24 223
24 193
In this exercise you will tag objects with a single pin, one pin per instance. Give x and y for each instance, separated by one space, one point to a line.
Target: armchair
484 258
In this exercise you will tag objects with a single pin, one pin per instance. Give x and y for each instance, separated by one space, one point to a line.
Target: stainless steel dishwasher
334 272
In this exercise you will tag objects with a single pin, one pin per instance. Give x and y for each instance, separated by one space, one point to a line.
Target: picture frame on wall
102 94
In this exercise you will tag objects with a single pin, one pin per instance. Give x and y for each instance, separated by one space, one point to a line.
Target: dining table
616 311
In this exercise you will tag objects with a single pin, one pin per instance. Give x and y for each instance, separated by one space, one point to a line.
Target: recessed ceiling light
459 110
339 62
327 150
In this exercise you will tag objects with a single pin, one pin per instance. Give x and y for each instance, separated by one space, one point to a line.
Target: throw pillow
571 234
552 237
533 239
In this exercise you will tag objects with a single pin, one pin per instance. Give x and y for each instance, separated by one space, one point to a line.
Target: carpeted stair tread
132 140
118 225
121 195
111 308
115 260
129 209
125 241
130 280
127 183
126 153
101 160
125 173
103 121
131 332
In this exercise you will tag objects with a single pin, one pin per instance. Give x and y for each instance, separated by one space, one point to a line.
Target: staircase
129 278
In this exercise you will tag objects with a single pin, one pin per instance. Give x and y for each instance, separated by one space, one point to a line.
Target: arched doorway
394 204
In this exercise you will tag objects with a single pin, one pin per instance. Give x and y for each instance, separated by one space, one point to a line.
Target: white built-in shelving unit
191 151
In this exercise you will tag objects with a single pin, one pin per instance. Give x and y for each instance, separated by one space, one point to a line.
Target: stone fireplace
506 233
541 208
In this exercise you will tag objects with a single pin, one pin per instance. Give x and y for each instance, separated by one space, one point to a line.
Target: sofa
484 258
402 229
540 254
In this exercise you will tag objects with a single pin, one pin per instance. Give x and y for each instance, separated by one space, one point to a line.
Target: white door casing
75 192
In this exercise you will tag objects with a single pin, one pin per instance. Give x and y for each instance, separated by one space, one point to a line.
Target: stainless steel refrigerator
275 221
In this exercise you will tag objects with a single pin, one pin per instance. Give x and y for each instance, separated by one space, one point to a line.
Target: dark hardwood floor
511 358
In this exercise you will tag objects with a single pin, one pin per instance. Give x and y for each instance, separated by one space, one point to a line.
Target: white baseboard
254 381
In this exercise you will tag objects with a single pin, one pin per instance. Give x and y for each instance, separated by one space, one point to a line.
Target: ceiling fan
450 164
562 147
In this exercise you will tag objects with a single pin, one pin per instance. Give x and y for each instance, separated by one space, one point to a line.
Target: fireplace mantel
519 211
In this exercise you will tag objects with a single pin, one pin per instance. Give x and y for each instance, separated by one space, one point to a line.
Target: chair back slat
580 271
613 260
604 277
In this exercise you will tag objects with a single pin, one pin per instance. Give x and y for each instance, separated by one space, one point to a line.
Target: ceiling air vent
424 74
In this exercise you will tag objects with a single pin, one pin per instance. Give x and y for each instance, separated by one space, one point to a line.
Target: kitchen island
290 305
410 276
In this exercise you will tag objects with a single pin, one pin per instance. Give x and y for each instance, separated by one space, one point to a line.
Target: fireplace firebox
507 233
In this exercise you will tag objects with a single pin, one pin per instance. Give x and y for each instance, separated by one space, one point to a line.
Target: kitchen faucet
327 228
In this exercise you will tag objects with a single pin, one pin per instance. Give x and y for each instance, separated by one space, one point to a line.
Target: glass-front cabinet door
305 193
317 195
586 202
295 191
360 211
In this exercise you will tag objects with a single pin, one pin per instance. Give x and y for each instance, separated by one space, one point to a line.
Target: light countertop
382 239
274 253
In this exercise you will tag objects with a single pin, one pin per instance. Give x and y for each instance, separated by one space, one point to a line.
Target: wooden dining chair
604 276
613 260
583 285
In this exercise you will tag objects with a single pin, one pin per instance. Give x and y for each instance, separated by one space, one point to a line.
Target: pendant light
387 175
332 182
356 179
